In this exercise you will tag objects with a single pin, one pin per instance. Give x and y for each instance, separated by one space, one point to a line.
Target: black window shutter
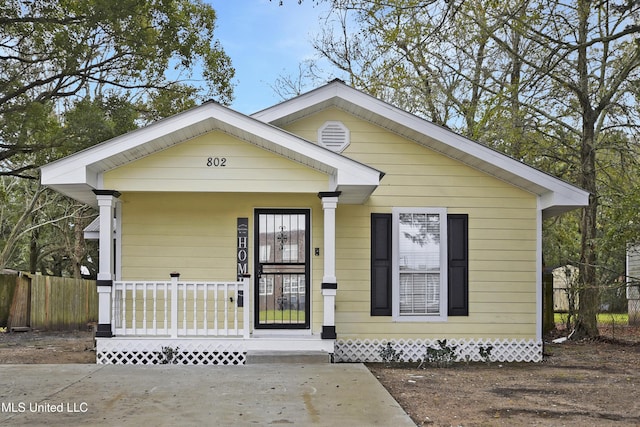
381 264
458 264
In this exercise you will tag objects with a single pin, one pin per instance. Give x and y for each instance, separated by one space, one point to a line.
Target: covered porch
169 196
191 321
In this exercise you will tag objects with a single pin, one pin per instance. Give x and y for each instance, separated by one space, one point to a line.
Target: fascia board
301 102
83 167
357 177
74 168
564 198
440 139
63 175
562 192
294 145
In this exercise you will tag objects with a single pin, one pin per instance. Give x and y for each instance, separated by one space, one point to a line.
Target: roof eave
78 174
558 196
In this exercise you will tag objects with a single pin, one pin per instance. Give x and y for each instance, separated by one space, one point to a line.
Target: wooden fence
52 303
7 289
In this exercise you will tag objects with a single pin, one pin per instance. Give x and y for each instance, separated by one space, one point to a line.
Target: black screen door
282 268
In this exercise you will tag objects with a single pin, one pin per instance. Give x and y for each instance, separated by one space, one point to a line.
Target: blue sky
265 41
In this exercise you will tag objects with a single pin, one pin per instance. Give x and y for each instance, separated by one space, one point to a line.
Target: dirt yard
578 384
47 347
591 383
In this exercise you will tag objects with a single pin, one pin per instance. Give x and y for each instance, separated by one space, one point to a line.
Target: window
290 253
419 276
293 284
266 285
405 280
265 253
419 264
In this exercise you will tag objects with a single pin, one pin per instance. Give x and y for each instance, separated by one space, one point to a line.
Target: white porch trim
107 200
229 351
78 173
199 351
329 280
172 309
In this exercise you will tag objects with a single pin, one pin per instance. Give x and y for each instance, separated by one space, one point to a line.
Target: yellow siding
180 215
195 234
247 168
502 236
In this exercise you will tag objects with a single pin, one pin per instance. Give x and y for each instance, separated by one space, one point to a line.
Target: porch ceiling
80 173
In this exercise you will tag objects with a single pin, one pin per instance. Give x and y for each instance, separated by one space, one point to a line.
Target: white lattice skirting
233 352
112 351
502 350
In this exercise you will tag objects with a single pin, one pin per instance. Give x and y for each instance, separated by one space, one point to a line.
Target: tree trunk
33 251
588 295
18 229
588 291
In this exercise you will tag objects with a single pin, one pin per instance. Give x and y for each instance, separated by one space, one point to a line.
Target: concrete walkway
168 395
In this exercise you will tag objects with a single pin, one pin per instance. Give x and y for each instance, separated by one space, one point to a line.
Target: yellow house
331 222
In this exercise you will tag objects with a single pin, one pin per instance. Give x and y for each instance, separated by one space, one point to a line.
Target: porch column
329 281
106 204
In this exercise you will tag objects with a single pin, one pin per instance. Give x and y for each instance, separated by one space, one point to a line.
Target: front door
282 268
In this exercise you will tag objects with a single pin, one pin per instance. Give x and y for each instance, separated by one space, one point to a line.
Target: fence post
174 304
246 309
548 322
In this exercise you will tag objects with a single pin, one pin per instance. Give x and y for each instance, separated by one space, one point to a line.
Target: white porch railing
180 309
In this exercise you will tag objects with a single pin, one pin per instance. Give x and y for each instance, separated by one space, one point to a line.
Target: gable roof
78 174
556 196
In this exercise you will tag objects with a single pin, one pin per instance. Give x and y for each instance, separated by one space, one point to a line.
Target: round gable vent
334 136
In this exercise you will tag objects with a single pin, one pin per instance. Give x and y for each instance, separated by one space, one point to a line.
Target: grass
603 318
282 316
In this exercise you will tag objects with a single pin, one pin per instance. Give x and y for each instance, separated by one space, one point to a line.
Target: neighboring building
565 293
633 284
359 223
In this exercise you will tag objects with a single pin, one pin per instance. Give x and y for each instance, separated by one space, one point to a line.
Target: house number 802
216 162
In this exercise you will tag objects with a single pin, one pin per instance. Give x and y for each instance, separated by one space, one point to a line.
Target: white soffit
556 196
78 174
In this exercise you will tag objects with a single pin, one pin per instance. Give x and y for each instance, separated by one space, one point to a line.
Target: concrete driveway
261 394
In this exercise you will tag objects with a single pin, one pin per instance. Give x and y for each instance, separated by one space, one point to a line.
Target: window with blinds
420 253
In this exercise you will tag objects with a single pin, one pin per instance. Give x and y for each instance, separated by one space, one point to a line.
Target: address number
217 162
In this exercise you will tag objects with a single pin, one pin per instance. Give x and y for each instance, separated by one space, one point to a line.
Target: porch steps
301 357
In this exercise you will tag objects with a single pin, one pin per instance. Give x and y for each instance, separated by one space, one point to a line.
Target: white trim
200 351
396 316
538 281
77 174
329 205
106 260
557 196
413 350
118 237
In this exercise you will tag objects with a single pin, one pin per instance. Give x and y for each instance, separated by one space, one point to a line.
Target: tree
51 50
73 74
551 83
589 54
43 229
